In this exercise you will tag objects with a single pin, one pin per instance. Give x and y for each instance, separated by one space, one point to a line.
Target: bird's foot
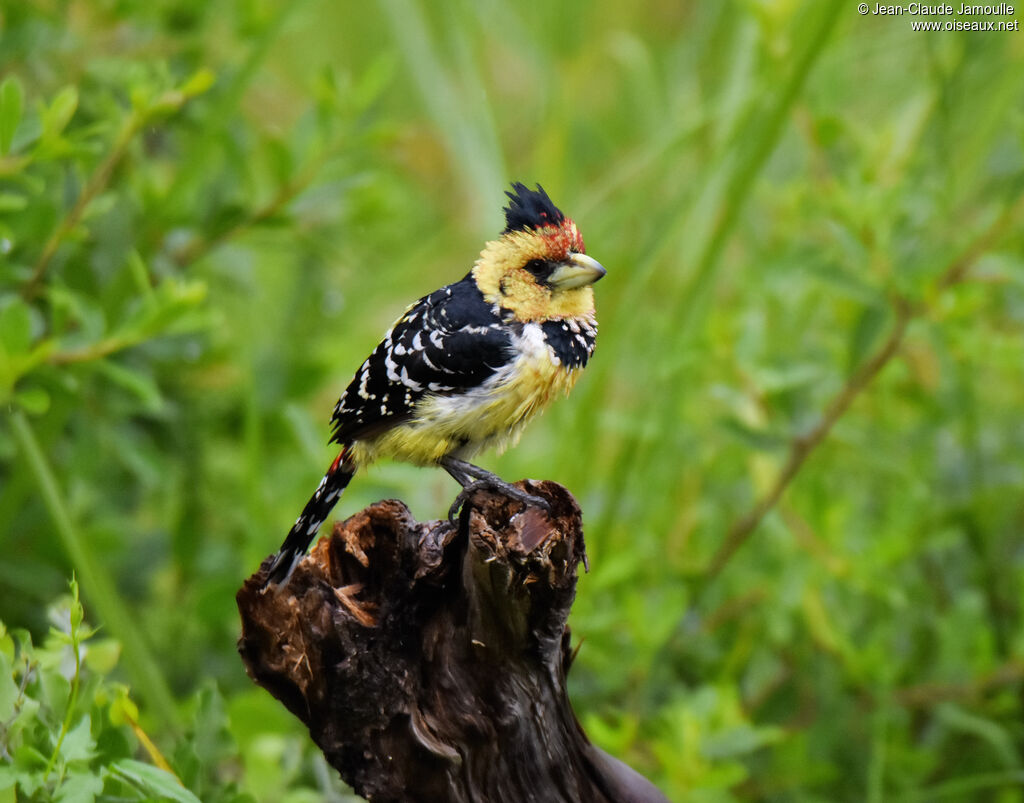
494 484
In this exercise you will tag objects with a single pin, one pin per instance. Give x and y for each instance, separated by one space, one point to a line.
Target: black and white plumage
446 342
467 366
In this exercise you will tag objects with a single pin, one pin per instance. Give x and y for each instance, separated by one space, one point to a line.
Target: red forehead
563 239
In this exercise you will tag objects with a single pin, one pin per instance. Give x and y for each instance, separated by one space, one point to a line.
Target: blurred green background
811 220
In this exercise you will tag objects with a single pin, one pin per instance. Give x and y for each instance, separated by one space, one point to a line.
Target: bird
467 366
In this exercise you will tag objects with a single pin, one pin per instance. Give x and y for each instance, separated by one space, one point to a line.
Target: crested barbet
467 366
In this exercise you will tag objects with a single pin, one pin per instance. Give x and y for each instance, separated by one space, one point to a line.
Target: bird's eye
538 267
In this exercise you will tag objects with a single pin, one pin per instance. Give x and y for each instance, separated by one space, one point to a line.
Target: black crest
530 209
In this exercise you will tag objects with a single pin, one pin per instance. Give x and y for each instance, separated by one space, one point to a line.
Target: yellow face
539 274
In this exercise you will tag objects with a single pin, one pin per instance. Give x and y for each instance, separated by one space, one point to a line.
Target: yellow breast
490 415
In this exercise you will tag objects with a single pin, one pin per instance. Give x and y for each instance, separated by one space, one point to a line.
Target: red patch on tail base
337 461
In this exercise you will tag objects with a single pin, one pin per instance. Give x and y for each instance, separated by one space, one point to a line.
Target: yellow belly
491 415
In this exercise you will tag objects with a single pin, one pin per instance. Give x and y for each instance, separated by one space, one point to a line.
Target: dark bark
429 661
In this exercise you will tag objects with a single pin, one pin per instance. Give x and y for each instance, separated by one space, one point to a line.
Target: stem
111 609
72 701
956 272
926 695
151 749
95 351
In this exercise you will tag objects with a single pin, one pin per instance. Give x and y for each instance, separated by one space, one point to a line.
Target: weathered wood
429 661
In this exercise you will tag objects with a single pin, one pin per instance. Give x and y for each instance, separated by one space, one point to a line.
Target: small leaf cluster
68 732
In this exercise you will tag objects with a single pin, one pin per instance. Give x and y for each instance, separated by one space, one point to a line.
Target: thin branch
69 714
924 695
94 351
801 447
93 187
957 270
147 744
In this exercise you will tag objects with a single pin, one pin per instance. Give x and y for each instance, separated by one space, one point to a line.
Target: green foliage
67 730
814 308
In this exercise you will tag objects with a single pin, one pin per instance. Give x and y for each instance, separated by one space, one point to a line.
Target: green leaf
100 205
739 741
865 332
280 161
139 273
26 718
199 82
82 310
15 328
29 757
79 787
34 401
76 612
12 202
9 691
8 786
122 708
786 377
138 382
845 283
61 110
995 734
17 357
6 642
374 81
102 655
12 98
152 780
79 744
758 439
168 311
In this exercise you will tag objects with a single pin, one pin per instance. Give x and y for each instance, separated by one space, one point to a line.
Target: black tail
316 511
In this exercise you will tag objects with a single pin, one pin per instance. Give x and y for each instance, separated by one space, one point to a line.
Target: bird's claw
509 490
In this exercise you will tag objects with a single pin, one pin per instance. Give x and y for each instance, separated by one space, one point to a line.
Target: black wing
444 344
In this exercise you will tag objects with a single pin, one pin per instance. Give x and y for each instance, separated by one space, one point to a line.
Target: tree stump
429 661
